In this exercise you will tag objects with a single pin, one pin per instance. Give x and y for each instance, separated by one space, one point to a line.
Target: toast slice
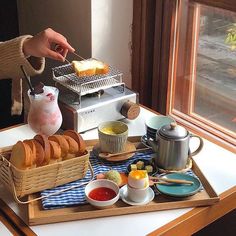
62 143
21 156
90 67
43 140
55 152
73 147
40 154
78 138
32 146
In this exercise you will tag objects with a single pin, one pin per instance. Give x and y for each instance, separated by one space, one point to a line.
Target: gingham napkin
76 196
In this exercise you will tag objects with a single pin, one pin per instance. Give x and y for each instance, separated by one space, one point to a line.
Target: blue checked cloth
76 196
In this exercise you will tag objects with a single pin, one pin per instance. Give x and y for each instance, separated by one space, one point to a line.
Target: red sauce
102 194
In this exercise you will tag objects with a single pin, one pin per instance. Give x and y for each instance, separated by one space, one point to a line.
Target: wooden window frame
191 120
153 74
224 133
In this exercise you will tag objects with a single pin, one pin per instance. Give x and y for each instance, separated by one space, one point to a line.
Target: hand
42 45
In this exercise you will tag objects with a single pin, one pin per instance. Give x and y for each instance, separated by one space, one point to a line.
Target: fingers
54 55
41 45
63 44
61 50
64 53
59 39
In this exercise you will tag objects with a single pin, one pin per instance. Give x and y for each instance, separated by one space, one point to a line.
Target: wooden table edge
21 228
199 217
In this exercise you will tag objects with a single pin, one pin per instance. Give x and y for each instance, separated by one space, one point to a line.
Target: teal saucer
179 190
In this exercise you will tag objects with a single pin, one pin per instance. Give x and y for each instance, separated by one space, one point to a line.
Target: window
203 81
184 63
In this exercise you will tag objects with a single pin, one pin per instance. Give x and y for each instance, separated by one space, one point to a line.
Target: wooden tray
37 215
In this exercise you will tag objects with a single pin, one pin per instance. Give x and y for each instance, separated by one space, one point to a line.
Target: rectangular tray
37 215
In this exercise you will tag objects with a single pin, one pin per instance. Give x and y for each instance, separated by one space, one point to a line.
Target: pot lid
173 131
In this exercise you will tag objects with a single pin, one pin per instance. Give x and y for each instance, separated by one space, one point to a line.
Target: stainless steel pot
172 147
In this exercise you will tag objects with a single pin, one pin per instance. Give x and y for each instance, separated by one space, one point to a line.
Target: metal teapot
172 147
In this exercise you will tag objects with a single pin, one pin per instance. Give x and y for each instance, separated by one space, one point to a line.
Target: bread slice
89 67
73 147
62 142
55 152
78 138
21 156
32 146
43 140
40 155
101 68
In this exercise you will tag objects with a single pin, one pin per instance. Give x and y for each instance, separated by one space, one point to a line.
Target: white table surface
217 164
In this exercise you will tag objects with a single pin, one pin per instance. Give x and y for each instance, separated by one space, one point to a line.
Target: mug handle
200 144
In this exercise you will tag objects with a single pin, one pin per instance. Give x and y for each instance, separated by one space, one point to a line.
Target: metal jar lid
173 131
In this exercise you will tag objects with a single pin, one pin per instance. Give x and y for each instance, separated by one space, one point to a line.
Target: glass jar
44 115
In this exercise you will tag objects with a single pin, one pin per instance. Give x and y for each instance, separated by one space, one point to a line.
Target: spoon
161 180
108 155
27 80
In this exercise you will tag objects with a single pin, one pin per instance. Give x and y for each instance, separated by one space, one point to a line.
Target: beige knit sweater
11 58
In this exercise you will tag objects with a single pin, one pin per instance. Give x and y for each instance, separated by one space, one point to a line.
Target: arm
12 57
30 52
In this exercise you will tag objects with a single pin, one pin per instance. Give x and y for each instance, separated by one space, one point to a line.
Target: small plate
180 190
146 162
125 198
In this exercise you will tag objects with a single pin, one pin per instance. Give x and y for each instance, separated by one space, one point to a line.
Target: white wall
95 28
111 34
72 18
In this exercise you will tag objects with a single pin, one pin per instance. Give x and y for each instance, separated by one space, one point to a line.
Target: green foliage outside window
231 37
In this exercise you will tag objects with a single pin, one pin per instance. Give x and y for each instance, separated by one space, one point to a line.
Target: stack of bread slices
43 150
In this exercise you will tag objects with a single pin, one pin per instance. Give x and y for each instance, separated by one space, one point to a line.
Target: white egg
138 179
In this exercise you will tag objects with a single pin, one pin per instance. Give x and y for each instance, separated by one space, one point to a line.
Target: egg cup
137 194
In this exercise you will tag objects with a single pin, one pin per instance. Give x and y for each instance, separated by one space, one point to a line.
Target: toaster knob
130 110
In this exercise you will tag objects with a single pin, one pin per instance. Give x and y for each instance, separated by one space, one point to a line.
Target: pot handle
200 145
149 143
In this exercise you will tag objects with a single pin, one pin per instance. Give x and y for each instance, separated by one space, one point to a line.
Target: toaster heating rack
66 76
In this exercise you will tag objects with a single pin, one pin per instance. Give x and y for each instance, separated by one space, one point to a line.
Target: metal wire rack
66 76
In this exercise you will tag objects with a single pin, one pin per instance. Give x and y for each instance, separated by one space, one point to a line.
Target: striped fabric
76 196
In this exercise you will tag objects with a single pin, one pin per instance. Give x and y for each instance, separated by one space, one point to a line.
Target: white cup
137 194
154 123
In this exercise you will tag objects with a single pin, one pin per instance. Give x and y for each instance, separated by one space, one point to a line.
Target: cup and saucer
113 144
153 124
125 198
144 140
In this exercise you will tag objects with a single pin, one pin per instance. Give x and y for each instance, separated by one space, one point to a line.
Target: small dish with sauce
102 193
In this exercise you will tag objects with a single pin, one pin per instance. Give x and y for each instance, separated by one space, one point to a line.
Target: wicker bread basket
24 182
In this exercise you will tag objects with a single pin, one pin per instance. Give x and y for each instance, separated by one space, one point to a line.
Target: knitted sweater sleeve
12 57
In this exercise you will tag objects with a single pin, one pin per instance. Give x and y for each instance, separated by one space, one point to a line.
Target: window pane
215 96
205 84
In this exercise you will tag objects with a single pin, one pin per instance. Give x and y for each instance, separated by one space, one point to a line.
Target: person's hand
43 45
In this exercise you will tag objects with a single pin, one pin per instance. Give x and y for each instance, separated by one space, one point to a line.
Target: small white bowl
102 183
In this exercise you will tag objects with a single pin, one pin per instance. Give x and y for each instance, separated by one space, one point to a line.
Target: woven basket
24 182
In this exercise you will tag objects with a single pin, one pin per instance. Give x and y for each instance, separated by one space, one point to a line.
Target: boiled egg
138 179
